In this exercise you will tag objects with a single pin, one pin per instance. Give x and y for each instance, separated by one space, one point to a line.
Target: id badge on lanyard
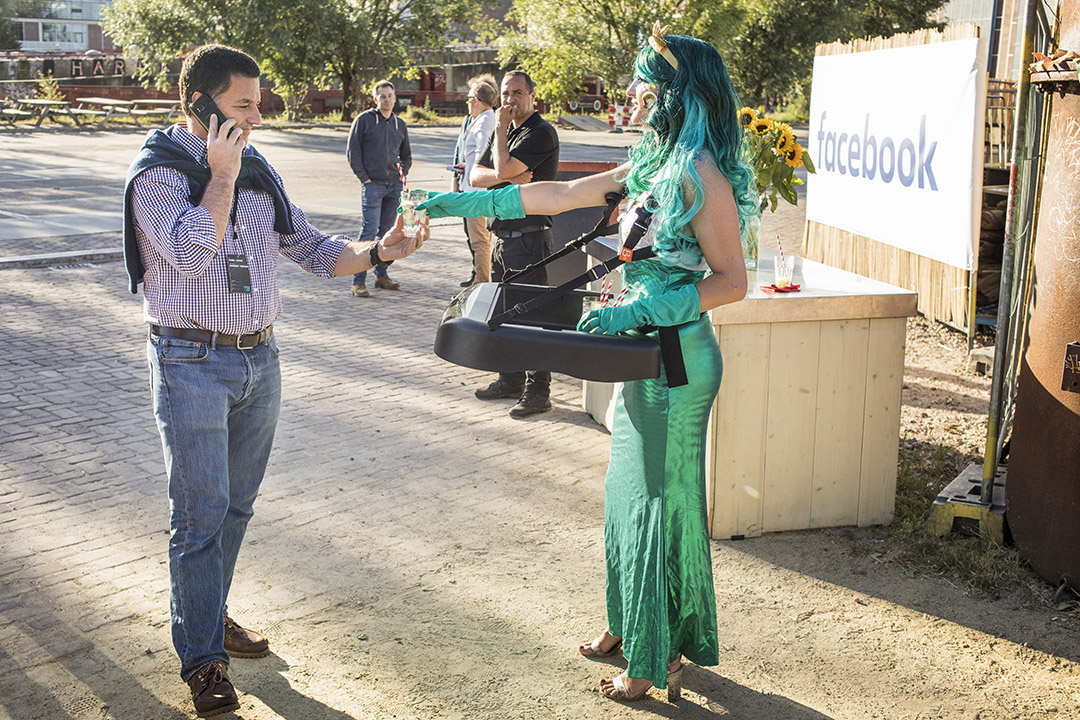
239 273
236 264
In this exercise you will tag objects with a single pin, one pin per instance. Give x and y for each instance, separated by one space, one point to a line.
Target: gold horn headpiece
656 40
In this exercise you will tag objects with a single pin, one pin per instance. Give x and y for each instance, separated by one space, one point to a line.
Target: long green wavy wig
696 113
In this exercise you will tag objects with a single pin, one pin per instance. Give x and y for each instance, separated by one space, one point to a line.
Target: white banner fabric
897 140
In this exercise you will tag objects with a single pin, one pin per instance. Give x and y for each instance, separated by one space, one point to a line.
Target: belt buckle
257 337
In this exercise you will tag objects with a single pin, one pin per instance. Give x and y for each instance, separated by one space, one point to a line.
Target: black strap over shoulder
626 254
602 228
670 346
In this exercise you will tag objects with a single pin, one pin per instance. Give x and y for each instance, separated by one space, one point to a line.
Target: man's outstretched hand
396 243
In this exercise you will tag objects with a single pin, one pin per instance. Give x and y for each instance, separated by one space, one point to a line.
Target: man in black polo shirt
524 148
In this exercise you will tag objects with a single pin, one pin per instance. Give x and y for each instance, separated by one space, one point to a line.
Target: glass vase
750 242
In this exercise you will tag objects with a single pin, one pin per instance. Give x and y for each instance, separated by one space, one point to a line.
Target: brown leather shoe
212 691
243 643
385 283
360 291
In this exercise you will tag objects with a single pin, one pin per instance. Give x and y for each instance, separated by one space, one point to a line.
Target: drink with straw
411 217
785 266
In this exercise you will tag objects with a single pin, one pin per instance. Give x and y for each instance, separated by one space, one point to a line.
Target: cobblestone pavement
417 554
401 527
378 438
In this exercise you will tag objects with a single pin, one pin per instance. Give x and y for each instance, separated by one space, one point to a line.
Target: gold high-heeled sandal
622 692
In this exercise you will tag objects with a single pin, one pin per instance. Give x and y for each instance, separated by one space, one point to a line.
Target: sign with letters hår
896 136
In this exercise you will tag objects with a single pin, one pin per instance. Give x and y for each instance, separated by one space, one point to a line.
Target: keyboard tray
544 339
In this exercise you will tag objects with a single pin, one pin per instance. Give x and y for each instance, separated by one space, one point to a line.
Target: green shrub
49 87
414 114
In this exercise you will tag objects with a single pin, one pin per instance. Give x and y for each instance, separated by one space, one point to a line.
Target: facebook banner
897 139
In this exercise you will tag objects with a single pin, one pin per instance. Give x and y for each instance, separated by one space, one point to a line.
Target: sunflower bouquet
774 155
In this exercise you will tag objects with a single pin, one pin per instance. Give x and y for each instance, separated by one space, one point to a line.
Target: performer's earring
648 100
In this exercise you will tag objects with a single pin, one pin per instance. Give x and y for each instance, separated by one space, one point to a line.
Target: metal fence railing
1000 116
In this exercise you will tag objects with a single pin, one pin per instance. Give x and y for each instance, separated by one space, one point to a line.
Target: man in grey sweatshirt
378 144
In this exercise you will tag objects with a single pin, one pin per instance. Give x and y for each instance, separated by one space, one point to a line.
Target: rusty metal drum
1043 481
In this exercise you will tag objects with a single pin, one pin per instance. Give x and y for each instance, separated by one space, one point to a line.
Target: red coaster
773 289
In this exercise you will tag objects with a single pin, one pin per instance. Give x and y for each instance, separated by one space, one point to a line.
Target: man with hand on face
524 148
205 218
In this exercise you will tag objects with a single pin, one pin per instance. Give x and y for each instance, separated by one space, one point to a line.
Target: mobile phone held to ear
203 108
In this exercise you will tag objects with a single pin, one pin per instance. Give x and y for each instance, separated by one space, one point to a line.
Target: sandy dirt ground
417 554
431 558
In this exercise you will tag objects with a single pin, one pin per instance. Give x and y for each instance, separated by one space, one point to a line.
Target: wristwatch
373 254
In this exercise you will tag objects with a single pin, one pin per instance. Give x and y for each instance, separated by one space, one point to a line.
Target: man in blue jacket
378 145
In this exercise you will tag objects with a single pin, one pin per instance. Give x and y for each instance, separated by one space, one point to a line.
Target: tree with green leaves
289 57
9 36
768 45
298 45
560 41
162 30
772 56
885 18
376 38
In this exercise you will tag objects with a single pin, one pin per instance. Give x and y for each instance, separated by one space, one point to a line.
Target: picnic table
11 112
47 109
143 107
102 107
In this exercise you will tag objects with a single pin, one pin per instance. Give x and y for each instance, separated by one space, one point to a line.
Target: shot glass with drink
412 217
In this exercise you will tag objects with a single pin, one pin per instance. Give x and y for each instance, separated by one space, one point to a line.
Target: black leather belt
518 232
242 342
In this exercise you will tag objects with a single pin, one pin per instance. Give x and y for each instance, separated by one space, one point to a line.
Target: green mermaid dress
660 597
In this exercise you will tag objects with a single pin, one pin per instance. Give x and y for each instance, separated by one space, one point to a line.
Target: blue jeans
216 410
380 201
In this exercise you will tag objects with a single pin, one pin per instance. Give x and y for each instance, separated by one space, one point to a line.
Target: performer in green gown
660 600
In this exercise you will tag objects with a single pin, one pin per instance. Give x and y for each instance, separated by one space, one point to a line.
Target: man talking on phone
205 217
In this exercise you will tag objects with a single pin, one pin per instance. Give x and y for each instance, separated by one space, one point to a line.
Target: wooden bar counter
805 430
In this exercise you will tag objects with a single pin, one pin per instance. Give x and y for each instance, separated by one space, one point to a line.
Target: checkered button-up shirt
186 281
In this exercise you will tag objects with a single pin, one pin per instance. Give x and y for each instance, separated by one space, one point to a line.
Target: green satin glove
504 203
666 309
